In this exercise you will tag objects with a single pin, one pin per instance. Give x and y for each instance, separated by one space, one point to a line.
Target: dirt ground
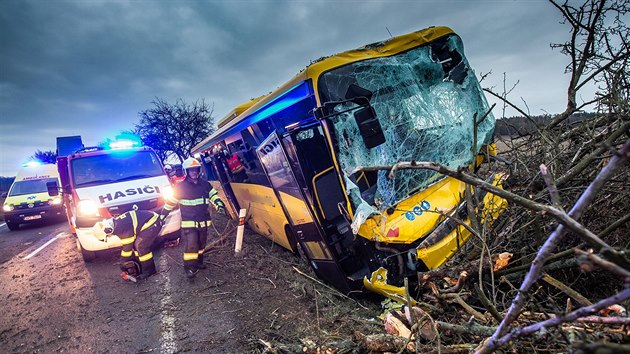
276 301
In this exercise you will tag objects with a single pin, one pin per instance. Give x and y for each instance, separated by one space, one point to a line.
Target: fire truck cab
106 181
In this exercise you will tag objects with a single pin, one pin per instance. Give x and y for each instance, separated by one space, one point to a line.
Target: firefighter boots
190 272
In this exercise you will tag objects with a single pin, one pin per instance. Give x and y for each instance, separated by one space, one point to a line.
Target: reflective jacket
128 225
193 199
234 164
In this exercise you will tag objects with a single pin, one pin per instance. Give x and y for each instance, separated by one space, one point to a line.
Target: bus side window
249 152
262 129
207 164
314 154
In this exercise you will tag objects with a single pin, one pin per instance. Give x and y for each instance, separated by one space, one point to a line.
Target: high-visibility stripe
150 222
134 220
135 252
126 253
192 202
128 240
169 206
189 224
190 256
146 257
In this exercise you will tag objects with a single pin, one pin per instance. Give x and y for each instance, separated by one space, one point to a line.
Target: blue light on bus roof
289 98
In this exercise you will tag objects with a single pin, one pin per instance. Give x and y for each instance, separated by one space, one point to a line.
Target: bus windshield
115 167
30 186
425 100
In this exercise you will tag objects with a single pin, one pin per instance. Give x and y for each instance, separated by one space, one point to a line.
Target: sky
88 67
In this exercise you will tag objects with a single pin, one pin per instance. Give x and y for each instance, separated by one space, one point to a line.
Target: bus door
215 163
302 223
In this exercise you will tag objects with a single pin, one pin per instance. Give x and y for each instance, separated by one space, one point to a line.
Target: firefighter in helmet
137 230
194 195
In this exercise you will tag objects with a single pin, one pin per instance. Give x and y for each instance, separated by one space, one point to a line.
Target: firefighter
137 230
194 195
172 174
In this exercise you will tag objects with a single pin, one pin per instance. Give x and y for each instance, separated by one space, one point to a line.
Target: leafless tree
172 130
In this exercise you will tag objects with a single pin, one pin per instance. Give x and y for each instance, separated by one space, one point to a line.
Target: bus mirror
369 127
53 188
356 94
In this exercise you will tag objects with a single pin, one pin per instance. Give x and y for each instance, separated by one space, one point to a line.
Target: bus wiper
128 178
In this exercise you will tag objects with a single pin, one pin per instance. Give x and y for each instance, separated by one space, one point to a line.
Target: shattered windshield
425 100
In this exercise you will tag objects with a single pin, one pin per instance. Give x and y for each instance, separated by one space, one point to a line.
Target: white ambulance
28 200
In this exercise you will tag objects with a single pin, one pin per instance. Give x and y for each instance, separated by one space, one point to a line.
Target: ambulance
28 200
105 181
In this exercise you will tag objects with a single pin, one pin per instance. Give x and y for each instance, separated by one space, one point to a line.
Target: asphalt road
52 301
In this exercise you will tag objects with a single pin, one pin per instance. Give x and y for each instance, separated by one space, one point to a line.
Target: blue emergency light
31 164
127 142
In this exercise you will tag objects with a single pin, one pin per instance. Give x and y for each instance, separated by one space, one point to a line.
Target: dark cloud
89 66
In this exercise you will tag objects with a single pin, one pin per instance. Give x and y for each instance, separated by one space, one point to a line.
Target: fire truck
105 181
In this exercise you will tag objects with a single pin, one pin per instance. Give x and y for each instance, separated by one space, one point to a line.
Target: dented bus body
307 148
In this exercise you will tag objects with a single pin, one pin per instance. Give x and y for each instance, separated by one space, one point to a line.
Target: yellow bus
296 159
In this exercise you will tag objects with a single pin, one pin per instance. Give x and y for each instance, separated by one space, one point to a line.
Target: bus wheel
88 256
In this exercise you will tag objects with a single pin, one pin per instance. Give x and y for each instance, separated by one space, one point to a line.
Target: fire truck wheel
88 256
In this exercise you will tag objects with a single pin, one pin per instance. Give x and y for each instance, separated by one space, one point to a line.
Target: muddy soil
268 295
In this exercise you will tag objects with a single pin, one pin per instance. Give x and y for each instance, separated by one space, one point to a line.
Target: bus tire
88 256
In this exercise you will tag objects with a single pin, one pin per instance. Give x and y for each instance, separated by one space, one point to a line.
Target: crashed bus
307 152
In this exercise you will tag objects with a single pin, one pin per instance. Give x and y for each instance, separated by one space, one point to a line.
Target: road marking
166 305
4 223
61 234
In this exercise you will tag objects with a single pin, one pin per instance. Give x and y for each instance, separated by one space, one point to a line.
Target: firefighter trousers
195 239
140 250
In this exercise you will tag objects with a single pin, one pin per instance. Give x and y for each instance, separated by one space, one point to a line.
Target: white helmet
104 228
190 163
168 168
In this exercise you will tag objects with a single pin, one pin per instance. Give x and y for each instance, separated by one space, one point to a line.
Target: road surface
54 302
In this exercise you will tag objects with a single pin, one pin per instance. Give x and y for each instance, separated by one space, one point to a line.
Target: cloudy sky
87 67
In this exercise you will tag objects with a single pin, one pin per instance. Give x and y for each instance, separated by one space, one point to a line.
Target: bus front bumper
440 245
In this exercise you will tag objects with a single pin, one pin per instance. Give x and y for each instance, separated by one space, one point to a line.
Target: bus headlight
167 192
55 201
87 207
7 207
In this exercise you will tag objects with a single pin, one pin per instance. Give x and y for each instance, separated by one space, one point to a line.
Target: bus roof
238 110
384 48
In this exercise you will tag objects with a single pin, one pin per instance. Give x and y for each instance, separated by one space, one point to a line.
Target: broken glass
425 100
